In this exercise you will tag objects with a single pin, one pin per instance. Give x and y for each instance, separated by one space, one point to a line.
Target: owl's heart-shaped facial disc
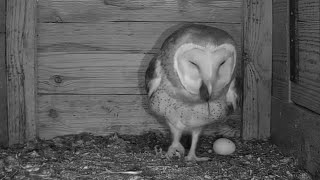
211 67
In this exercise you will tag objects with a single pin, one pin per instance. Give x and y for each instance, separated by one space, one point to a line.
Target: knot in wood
53 113
57 79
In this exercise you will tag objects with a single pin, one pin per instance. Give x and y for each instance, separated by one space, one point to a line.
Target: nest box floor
85 156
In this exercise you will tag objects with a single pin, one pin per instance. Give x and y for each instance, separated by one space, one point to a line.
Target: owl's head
204 60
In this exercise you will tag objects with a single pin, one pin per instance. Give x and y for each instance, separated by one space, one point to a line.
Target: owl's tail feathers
227 131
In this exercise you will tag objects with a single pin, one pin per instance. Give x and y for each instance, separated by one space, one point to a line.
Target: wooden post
257 51
20 64
3 78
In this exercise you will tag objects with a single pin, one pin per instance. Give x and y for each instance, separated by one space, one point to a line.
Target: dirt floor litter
117 157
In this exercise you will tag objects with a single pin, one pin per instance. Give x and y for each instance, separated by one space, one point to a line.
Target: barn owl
192 83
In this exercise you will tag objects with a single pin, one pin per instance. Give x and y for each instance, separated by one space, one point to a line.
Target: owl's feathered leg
192 153
176 148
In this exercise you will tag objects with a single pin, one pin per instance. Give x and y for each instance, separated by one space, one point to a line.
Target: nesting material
85 156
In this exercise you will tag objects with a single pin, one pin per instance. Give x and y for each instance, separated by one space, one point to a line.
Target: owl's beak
206 70
205 91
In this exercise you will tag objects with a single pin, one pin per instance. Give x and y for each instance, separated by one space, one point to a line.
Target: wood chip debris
85 156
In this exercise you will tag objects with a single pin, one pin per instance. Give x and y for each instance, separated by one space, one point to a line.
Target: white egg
224 146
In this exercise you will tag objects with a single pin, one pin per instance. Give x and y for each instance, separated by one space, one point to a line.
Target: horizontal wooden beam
101 11
134 37
100 115
96 73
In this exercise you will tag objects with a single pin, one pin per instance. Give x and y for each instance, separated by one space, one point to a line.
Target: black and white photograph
160 89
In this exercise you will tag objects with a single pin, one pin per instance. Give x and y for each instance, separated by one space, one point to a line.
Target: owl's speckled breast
191 115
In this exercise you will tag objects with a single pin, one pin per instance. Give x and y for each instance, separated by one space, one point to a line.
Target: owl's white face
205 70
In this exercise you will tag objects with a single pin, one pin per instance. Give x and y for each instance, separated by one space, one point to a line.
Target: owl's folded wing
153 76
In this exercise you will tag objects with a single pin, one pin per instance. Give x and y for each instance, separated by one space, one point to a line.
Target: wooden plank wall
280 49
20 68
4 139
92 55
294 129
257 50
306 90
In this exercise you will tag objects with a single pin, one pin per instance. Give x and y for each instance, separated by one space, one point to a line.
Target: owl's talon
175 151
195 158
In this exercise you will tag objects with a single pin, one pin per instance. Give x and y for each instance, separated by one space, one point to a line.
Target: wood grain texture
2 16
20 60
280 50
137 37
4 139
93 11
301 126
257 69
98 114
306 90
297 132
92 73
96 73
93 54
63 114
308 10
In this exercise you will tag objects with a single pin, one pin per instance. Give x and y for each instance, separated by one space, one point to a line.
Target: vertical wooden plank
3 78
257 49
20 60
295 130
280 48
2 16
